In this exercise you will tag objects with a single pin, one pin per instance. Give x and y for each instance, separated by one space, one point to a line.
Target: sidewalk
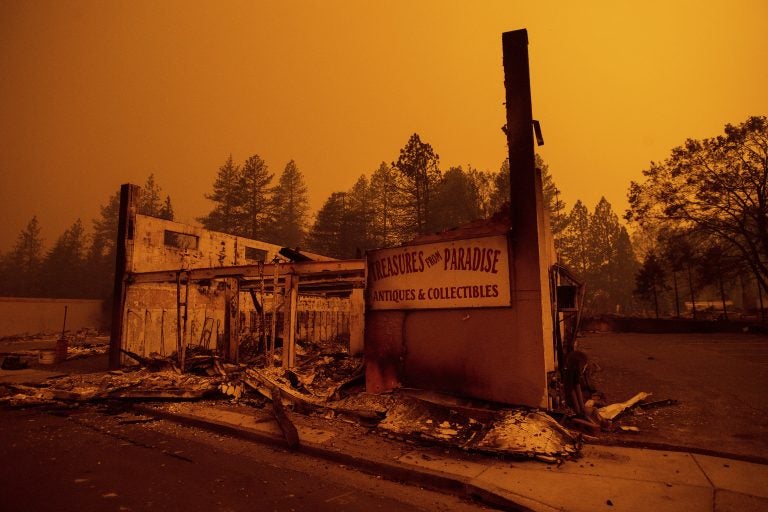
605 478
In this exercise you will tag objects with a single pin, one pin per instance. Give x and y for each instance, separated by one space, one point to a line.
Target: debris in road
629 428
137 385
290 433
658 403
325 383
609 412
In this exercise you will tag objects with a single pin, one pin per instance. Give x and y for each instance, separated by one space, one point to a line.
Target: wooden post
232 319
356 321
129 196
273 320
289 320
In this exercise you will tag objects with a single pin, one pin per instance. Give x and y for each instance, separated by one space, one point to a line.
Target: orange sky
94 94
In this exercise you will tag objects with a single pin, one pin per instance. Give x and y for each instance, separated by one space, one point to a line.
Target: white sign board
468 273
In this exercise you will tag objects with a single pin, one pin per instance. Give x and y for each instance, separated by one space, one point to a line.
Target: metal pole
64 327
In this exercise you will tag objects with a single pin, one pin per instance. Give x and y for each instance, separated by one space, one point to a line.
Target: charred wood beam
129 195
252 271
290 433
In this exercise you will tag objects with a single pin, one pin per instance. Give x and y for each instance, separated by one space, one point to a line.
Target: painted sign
468 273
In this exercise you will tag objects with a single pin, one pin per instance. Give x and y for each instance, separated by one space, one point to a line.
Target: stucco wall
150 248
37 316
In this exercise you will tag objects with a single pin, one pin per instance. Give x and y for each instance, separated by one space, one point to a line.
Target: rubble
134 385
610 412
324 383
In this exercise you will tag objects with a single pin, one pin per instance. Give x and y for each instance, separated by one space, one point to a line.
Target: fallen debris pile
134 385
327 384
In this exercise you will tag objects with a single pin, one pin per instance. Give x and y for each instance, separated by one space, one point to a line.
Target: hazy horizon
97 94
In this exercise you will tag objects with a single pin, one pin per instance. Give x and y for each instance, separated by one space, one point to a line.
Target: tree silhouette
227 197
719 186
418 165
291 206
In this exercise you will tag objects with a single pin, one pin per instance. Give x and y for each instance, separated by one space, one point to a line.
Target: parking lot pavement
719 381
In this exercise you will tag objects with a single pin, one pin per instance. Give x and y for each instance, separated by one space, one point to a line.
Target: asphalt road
719 380
101 459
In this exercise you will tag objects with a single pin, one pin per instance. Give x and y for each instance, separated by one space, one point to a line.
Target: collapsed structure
475 311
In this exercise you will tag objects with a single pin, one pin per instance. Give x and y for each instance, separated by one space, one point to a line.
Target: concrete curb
650 445
430 479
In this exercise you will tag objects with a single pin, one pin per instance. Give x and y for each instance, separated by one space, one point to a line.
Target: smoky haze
96 94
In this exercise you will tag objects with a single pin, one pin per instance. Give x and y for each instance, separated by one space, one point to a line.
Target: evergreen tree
291 205
500 193
327 234
5 275
600 251
387 205
101 254
255 207
227 200
419 173
150 202
482 183
574 246
166 212
64 268
359 212
552 201
24 262
550 193
456 200
610 261
650 281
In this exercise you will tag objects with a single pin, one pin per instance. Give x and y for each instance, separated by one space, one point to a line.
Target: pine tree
101 254
24 262
500 193
418 165
150 202
327 234
574 245
456 200
552 201
64 268
291 206
359 212
227 200
166 212
650 281
550 193
387 206
482 183
255 207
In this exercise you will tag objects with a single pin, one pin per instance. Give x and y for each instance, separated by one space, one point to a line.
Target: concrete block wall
22 316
